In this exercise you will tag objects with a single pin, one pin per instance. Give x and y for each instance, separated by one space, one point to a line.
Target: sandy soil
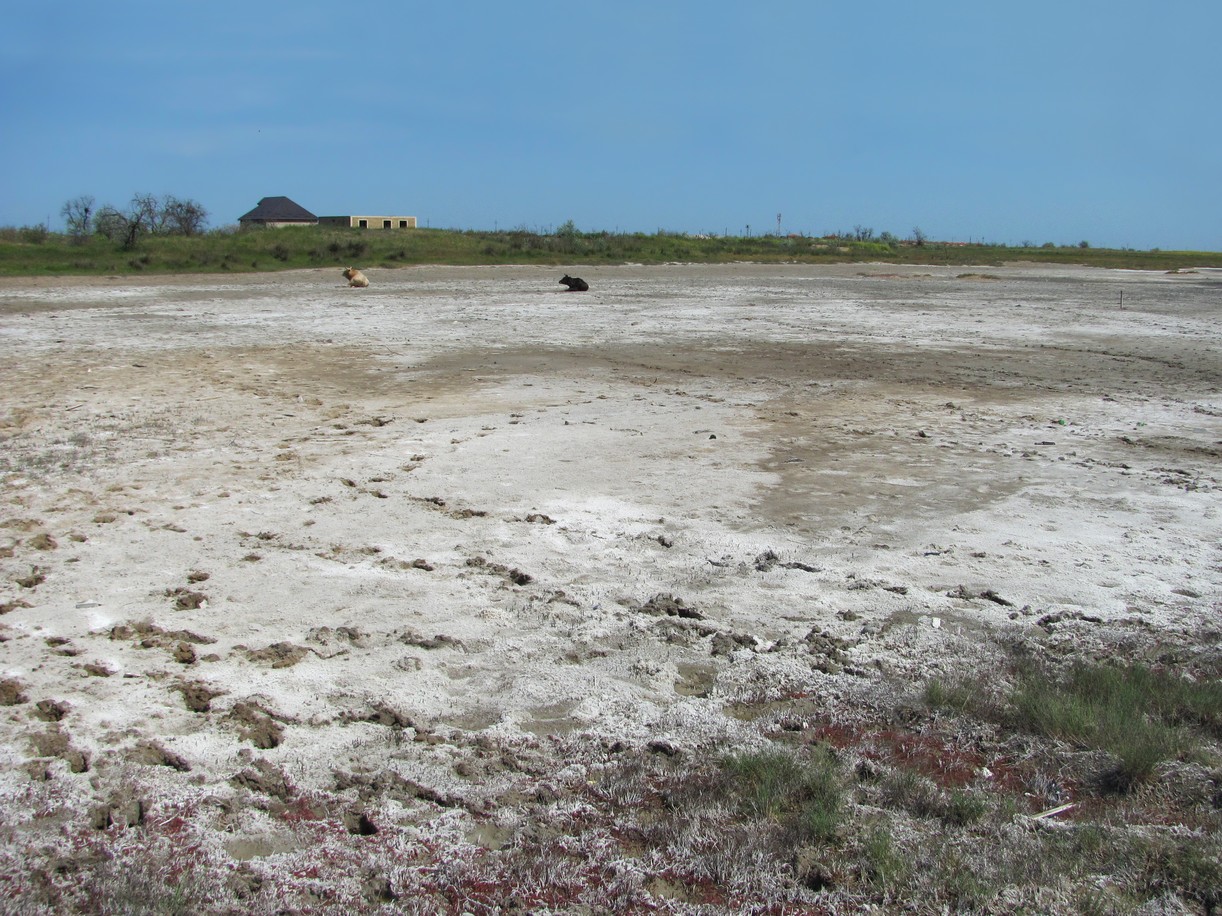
273 519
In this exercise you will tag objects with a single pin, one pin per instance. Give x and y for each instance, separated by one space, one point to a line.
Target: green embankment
35 252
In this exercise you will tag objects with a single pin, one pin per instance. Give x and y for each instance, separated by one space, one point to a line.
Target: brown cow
355 277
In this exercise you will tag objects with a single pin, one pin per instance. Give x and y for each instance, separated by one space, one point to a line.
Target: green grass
1132 712
901 839
958 696
886 865
1139 716
804 793
36 252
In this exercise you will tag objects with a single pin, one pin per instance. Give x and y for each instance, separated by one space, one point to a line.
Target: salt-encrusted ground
272 525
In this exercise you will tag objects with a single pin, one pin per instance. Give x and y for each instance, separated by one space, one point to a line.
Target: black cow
575 284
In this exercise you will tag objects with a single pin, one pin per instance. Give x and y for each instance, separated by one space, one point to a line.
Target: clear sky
1046 121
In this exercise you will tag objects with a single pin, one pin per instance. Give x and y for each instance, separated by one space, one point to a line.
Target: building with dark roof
278 211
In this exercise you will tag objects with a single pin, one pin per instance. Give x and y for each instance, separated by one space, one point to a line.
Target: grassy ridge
26 252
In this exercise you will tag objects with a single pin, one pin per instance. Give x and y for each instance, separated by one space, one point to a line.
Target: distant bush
32 235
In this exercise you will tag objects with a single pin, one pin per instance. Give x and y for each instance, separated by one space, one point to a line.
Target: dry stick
1052 812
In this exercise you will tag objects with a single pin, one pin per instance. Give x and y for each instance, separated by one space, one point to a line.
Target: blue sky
1054 120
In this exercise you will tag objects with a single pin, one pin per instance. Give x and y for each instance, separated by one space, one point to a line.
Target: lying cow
355 277
575 284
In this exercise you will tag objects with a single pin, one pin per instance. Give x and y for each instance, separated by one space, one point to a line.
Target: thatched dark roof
278 210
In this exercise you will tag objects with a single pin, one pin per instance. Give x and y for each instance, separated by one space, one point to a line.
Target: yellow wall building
369 222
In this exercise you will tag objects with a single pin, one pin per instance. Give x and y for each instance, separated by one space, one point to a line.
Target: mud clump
147 635
440 641
55 743
37 577
152 753
828 651
256 726
726 644
324 636
197 696
11 693
279 654
513 575
184 654
185 599
118 811
669 606
43 541
388 784
266 779
50 710
382 714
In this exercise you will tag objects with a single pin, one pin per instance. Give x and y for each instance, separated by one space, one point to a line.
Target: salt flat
269 521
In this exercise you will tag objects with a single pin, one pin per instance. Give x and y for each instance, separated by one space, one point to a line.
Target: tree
78 216
184 217
121 228
110 223
149 215
918 236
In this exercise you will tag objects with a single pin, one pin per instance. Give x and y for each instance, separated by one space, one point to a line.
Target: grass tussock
1140 717
804 794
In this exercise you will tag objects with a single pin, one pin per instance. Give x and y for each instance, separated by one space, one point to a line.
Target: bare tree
184 217
148 210
918 236
123 228
78 216
110 223
149 215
